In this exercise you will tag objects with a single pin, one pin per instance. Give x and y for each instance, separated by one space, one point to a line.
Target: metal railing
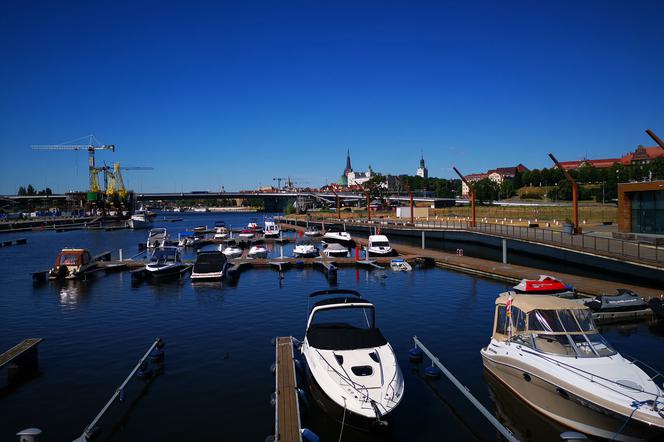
601 245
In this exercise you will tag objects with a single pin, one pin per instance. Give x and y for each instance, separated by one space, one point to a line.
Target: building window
648 212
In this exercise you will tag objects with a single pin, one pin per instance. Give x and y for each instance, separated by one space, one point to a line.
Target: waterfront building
498 175
422 171
641 207
640 155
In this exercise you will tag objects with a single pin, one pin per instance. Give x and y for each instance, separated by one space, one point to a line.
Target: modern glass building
641 207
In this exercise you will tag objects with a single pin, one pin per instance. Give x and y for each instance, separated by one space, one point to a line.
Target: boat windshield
69 259
560 332
345 317
161 255
380 244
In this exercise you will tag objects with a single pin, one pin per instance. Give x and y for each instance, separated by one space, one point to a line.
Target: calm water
216 382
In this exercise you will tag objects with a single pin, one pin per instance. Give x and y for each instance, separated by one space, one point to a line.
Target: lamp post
575 194
471 188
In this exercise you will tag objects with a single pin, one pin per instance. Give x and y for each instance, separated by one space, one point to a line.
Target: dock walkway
509 273
287 413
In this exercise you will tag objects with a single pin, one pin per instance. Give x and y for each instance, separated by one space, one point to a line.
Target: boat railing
652 372
594 377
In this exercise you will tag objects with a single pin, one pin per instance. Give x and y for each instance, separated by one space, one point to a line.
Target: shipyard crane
113 182
90 147
278 180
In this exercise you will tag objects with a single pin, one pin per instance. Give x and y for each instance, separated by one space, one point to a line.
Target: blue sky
234 94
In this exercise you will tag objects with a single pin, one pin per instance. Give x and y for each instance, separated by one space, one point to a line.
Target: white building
359 178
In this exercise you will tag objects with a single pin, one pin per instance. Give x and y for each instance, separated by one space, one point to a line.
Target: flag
508 306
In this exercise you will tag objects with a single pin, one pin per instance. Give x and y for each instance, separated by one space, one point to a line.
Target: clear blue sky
236 94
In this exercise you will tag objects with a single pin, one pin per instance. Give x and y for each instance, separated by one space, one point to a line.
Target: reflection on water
71 292
519 418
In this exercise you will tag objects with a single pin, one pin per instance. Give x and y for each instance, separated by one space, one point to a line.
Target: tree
486 190
22 191
31 190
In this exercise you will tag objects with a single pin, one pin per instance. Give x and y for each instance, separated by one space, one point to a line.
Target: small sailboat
400 265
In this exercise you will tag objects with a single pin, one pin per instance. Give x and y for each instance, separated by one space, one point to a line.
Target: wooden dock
287 426
22 359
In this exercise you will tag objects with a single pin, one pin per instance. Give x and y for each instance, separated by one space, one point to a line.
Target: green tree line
30 191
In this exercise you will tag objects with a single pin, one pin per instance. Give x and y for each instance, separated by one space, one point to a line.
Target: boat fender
309 435
273 399
144 371
415 354
432 373
161 344
157 355
121 395
298 365
273 368
303 397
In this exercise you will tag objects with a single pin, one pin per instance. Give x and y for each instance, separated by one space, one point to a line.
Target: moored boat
336 236
271 229
312 231
335 250
209 265
351 368
257 249
140 220
623 306
400 265
548 352
379 245
544 285
72 264
304 248
165 261
232 249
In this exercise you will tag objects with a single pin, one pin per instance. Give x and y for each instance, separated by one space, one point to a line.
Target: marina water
216 384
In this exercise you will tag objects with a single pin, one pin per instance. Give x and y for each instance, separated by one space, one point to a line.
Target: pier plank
18 350
287 425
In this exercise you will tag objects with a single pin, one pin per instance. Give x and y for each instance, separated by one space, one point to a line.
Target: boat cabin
73 258
549 325
343 323
378 241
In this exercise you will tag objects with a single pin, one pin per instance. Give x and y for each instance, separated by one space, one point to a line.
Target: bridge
273 201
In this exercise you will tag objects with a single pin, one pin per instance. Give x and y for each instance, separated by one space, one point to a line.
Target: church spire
349 168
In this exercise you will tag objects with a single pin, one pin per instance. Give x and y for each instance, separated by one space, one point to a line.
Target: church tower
422 171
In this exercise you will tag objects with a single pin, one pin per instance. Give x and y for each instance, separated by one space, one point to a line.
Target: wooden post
411 207
368 207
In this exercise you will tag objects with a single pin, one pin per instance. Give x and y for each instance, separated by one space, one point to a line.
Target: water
216 383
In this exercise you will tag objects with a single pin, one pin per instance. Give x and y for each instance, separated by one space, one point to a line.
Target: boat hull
336 254
373 254
562 406
174 270
136 224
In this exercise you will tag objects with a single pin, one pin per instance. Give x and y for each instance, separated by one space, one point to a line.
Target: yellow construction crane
92 146
113 179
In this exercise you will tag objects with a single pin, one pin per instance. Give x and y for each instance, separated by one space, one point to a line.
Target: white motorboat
304 248
312 231
335 250
257 249
232 250
165 261
335 236
379 246
220 233
548 352
247 233
140 220
271 229
185 239
72 264
400 265
157 237
352 370
209 265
